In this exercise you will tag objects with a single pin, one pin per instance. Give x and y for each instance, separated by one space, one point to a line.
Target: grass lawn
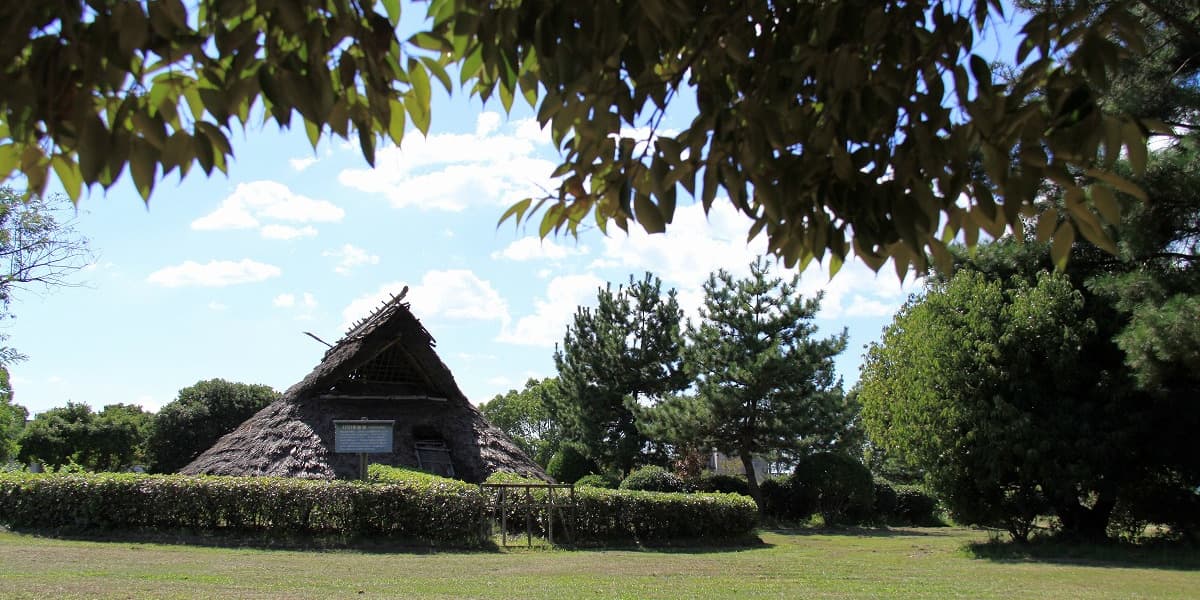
935 563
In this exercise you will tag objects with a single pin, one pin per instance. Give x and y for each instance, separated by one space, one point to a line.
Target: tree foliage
111 440
841 127
39 249
763 384
12 419
525 415
623 354
199 416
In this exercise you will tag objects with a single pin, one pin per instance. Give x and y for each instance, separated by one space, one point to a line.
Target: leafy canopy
202 413
843 127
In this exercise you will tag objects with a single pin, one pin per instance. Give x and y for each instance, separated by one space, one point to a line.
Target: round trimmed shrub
885 501
779 499
838 487
710 482
915 507
569 464
598 481
653 478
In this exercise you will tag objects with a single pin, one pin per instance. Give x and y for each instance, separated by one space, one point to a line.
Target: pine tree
763 383
624 353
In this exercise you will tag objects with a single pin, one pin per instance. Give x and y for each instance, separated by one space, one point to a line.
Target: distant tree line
125 436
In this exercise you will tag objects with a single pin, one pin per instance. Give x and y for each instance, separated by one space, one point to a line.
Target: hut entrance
433 455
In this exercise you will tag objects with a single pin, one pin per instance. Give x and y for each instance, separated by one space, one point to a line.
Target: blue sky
220 276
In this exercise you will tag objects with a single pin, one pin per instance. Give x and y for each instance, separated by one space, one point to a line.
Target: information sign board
363 436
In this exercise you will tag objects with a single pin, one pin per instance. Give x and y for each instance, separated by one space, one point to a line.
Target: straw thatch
384 368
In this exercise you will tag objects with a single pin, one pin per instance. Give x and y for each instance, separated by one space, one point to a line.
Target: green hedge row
435 511
605 515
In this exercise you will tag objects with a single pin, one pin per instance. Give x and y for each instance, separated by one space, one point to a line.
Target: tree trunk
1088 524
752 482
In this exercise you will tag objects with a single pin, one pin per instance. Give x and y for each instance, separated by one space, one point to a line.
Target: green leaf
1060 249
419 113
419 80
1047 222
143 163
1135 144
647 214
396 121
516 212
314 133
392 7
1106 203
9 158
67 171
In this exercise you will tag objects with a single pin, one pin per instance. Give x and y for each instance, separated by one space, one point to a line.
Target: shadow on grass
864 531
254 541
1154 555
378 545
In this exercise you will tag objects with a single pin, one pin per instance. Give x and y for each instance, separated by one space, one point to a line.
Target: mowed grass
911 563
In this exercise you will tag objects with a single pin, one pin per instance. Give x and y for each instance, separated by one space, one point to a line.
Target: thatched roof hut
384 368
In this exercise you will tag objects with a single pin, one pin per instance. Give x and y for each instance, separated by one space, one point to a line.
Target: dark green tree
120 436
59 436
985 383
199 416
839 127
111 440
525 415
12 419
763 383
623 354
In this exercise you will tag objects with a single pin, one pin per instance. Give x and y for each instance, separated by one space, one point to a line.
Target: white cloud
300 164
450 172
260 204
214 273
286 232
548 323
350 256
533 248
456 294
217 306
695 245
301 307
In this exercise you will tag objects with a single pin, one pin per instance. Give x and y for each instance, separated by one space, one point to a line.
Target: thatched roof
385 367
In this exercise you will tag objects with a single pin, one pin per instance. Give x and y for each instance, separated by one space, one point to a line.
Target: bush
436 511
598 481
884 510
838 487
915 507
652 478
717 482
616 515
780 501
569 464
388 474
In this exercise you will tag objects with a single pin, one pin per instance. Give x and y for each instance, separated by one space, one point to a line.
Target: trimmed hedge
653 478
626 515
708 481
444 512
838 487
569 464
915 507
597 480
604 515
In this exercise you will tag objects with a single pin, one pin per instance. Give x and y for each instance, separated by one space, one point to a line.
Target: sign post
363 437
